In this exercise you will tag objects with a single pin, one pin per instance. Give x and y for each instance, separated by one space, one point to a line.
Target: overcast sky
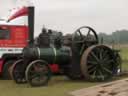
67 15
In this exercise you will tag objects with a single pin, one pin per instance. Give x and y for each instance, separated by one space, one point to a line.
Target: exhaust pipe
31 16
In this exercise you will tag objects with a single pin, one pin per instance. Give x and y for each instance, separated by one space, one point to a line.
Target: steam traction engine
77 55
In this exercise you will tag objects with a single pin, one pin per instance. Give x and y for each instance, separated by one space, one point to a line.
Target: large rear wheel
98 63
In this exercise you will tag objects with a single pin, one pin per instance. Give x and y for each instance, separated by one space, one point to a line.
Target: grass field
124 56
58 86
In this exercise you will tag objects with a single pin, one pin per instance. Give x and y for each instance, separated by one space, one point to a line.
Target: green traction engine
77 56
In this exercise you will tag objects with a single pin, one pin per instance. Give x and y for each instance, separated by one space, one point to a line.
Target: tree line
117 37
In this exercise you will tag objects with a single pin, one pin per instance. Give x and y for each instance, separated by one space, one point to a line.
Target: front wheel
38 73
17 72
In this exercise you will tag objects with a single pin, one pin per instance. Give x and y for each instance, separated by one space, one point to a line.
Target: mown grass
124 56
58 86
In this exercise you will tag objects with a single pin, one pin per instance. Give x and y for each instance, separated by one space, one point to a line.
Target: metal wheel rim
91 29
14 74
38 75
102 70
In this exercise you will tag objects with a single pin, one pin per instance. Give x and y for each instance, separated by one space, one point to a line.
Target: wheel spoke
109 61
33 76
91 70
93 54
94 74
101 75
105 53
92 62
101 54
80 34
43 78
107 70
88 32
45 73
36 78
90 66
106 58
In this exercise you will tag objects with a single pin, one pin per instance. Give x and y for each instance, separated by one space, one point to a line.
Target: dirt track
116 88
